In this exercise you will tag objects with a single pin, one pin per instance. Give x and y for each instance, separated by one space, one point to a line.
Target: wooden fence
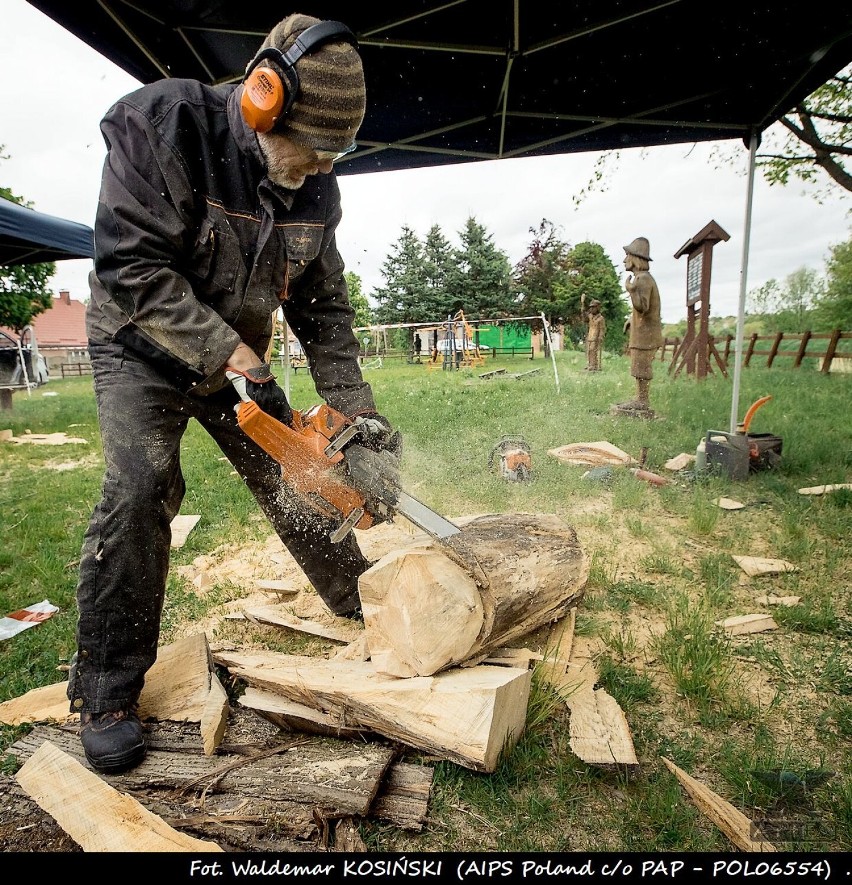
805 345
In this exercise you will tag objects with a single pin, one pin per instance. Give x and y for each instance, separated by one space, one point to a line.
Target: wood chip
729 504
181 527
281 587
823 490
599 731
756 565
679 462
740 624
779 600
732 822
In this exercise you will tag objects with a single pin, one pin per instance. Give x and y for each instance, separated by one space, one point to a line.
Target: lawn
733 712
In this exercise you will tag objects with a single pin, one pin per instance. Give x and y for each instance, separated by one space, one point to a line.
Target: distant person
418 346
646 330
595 333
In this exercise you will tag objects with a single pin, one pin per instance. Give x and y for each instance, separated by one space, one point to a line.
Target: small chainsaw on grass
312 455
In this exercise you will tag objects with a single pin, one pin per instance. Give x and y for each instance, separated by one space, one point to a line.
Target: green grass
661 576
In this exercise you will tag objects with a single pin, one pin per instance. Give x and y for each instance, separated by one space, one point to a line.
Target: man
646 331
214 212
595 333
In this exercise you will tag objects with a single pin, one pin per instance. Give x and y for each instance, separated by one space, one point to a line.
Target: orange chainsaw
312 452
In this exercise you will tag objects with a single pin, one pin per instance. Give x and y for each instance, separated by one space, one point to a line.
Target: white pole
550 348
285 330
738 347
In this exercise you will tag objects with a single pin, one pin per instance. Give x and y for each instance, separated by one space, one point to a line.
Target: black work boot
113 741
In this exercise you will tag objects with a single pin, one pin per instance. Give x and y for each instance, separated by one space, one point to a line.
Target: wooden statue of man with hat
646 330
595 333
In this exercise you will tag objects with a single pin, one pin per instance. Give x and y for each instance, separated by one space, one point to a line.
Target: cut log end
432 606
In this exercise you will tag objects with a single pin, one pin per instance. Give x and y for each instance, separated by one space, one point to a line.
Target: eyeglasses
335 155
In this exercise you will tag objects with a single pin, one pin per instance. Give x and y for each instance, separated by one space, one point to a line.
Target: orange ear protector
266 98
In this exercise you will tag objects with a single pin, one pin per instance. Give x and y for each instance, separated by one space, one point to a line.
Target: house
61 334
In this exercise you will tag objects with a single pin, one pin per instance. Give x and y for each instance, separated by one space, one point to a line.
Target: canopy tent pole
738 348
550 348
285 356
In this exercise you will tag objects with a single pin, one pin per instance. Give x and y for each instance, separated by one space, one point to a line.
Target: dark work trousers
125 556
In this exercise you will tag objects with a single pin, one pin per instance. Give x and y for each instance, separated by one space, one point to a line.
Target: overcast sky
54 89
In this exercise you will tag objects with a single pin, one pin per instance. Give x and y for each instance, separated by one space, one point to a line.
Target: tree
480 280
541 277
439 266
401 299
813 139
789 306
358 300
23 288
833 309
593 273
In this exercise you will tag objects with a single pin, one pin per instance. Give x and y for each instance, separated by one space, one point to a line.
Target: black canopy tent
451 81
30 237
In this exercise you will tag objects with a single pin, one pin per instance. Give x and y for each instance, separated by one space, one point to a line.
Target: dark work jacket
195 247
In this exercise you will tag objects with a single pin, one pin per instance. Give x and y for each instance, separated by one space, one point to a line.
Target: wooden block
732 822
740 624
404 797
94 814
181 527
599 731
756 565
466 715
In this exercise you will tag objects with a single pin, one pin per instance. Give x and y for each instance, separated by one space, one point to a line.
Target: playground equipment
458 348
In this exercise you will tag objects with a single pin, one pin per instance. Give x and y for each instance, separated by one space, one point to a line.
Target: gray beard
277 173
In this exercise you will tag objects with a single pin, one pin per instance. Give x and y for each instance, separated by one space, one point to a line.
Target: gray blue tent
30 237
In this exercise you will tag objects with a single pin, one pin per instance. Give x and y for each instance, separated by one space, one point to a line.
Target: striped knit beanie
330 106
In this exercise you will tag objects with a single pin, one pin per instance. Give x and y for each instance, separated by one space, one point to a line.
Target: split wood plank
779 600
466 715
291 716
492 374
430 606
181 527
277 616
283 588
754 566
825 489
741 624
404 796
592 454
177 687
320 771
732 822
557 651
214 716
94 814
599 733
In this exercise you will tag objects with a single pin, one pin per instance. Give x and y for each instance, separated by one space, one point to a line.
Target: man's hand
260 387
378 435
374 474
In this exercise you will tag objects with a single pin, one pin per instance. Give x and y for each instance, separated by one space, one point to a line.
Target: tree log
429 606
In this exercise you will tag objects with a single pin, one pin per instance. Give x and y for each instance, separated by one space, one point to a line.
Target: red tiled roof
63 325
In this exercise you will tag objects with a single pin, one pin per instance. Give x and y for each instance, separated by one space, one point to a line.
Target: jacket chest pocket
217 259
301 245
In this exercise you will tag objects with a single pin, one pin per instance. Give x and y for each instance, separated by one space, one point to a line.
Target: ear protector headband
266 99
